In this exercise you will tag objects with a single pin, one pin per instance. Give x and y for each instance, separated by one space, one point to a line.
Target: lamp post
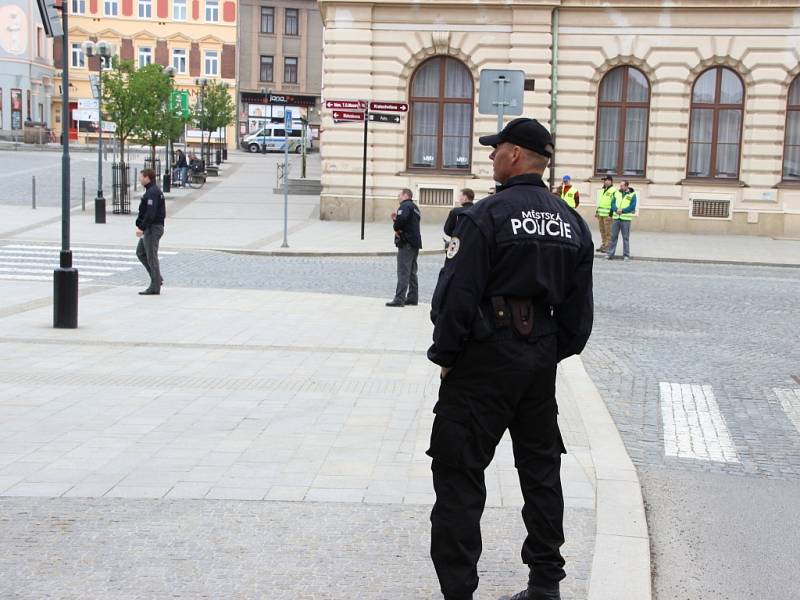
202 82
266 93
167 179
103 51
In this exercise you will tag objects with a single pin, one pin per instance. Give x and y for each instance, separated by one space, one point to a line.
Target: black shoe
149 293
411 303
396 303
535 595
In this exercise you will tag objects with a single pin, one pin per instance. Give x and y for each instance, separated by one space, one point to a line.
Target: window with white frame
145 56
179 60
211 63
212 11
145 9
179 10
78 60
111 8
78 7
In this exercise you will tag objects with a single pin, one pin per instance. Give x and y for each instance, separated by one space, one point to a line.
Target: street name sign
390 106
346 104
384 118
348 116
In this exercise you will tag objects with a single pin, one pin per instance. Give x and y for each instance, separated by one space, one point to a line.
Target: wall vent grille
711 209
436 196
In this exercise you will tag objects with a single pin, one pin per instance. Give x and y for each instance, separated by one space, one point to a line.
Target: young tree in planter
156 123
216 109
120 104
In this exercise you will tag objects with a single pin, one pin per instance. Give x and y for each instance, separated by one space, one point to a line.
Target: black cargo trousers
494 386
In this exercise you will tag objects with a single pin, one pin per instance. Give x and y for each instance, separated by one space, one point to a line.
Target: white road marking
50 271
54 263
36 278
40 255
790 400
79 249
693 424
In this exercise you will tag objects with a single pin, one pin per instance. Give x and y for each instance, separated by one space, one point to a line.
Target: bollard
33 197
83 194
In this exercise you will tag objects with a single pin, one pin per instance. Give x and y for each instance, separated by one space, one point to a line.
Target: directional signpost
357 111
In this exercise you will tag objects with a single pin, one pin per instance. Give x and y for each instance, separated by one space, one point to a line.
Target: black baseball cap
528 133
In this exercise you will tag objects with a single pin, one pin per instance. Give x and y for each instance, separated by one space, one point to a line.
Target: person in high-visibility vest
569 194
605 197
623 207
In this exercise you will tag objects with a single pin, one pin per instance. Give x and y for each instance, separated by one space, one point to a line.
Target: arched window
791 149
440 128
715 132
622 119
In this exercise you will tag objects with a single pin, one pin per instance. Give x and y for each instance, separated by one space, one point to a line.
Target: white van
273 138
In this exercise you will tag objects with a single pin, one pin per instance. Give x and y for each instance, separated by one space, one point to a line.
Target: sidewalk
239 212
251 444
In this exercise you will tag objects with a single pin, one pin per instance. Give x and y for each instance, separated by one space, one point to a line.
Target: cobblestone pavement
140 549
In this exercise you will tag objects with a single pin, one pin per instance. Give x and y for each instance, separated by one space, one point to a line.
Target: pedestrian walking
605 198
568 193
181 168
150 229
466 198
623 207
513 299
408 239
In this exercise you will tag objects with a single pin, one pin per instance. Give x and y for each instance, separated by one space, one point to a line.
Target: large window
715 130
791 151
441 115
267 19
110 8
78 60
289 70
179 10
78 7
266 72
145 56
622 119
145 9
212 11
179 60
292 21
211 63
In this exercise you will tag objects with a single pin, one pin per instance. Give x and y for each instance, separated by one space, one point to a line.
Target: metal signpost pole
100 202
364 174
287 124
501 103
65 278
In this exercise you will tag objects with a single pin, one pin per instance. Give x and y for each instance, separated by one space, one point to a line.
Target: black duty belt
513 318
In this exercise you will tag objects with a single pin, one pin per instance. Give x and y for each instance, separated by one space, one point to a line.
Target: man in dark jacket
513 299
466 198
149 229
408 240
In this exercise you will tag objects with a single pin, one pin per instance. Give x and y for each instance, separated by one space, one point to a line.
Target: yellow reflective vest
605 196
623 203
569 196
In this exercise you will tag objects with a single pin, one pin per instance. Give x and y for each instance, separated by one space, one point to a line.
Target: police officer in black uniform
408 239
150 229
466 199
513 299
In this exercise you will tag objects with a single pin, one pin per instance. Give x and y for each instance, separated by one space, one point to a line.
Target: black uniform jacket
452 218
407 223
152 208
522 242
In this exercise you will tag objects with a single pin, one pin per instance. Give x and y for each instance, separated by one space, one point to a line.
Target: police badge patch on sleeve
453 246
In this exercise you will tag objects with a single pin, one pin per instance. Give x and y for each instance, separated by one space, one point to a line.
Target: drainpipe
553 90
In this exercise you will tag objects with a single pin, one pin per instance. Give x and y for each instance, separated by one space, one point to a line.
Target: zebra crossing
26 262
695 428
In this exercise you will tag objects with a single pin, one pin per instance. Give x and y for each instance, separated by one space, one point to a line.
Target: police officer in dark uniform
408 239
150 229
513 299
466 199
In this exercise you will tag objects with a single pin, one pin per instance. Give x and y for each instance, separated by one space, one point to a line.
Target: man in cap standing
569 194
605 198
513 299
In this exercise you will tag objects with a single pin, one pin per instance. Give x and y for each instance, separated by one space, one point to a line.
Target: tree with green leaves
120 102
214 110
156 122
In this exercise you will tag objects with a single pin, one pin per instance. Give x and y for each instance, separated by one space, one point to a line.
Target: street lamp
167 181
266 93
104 51
202 82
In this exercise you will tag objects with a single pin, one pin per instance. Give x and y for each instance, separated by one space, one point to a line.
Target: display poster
16 108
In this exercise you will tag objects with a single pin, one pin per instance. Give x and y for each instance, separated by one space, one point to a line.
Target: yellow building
196 37
696 103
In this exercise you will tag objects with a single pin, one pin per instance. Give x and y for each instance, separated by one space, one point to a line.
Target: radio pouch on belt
521 316
500 312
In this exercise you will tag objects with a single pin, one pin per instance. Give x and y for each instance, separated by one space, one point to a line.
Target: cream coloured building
696 103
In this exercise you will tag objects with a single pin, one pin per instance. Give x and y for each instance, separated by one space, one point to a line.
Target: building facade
26 69
196 37
697 104
280 61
